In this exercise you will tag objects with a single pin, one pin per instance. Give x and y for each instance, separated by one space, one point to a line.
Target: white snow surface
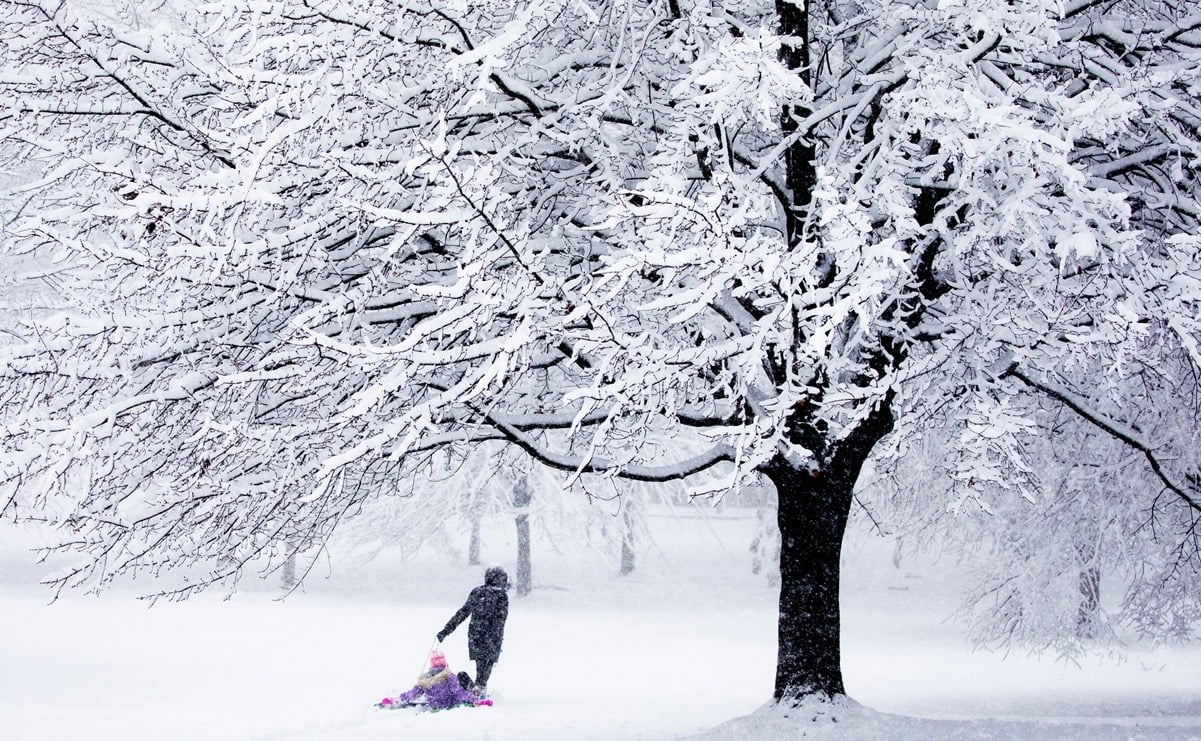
682 648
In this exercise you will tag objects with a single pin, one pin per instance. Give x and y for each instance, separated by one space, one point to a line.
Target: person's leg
483 670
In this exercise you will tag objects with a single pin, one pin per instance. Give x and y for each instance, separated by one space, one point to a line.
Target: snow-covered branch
1128 436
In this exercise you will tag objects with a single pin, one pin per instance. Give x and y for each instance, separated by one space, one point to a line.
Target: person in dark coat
488 607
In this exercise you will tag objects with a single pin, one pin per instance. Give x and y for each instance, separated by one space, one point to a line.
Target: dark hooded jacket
488 607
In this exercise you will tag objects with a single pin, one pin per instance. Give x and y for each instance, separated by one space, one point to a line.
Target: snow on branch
1125 434
721 453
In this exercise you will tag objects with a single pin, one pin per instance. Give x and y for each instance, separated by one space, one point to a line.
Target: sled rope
426 663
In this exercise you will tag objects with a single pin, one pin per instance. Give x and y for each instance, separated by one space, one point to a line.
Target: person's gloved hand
440 637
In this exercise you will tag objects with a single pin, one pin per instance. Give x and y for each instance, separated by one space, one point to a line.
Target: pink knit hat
437 660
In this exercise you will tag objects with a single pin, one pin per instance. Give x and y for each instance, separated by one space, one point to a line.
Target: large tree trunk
812 514
814 505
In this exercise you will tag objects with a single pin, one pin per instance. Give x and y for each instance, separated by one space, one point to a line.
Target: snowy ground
683 648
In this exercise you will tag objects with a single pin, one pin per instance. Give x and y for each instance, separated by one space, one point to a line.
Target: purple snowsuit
441 690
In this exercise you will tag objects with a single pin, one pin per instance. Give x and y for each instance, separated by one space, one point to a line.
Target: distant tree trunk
813 508
1088 582
476 513
287 578
627 539
522 495
1090 602
473 548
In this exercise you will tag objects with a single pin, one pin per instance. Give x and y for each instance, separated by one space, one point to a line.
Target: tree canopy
315 241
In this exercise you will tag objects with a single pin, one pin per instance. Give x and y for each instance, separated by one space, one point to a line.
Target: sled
420 704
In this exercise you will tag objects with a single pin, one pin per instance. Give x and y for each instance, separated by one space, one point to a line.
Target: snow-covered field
685 647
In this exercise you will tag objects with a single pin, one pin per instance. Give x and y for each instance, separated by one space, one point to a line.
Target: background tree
441 507
522 496
628 525
1048 524
645 240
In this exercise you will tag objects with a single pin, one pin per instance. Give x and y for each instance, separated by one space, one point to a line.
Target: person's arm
456 620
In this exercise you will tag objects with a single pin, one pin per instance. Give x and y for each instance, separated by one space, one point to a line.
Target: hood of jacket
496 577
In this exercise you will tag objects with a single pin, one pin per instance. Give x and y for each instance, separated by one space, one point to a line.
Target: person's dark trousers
483 670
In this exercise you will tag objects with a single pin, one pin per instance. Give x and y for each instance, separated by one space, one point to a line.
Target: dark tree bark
800 172
815 497
812 515
814 504
522 495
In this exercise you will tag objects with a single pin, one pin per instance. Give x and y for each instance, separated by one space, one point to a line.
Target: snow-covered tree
1077 511
645 240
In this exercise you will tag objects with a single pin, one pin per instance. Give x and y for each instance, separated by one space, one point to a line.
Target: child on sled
439 687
